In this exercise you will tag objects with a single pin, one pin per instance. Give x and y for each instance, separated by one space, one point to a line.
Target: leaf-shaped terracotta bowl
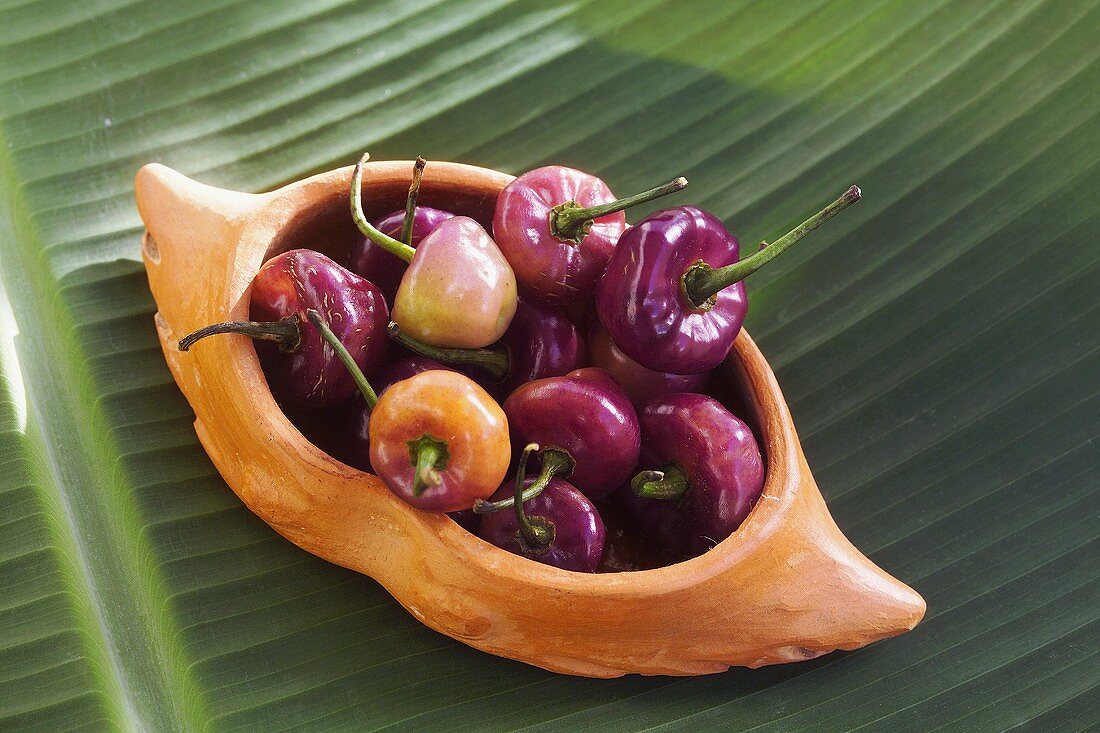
786 586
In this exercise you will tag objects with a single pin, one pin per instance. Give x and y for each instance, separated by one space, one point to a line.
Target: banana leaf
939 344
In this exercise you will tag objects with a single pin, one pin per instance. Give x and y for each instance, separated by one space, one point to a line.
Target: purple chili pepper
585 416
557 226
558 527
639 383
705 474
302 371
540 342
672 297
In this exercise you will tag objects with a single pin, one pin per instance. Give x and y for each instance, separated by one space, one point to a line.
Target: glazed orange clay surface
786 586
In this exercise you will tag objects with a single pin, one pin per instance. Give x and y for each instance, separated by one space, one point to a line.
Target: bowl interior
326 225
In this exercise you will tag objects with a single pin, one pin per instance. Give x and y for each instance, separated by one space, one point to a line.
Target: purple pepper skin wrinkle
310 375
706 461
672 295
369 260
586 414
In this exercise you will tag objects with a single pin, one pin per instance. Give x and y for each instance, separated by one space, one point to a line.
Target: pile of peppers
544 383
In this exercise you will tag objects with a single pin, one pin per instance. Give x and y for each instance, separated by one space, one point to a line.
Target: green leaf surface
939 344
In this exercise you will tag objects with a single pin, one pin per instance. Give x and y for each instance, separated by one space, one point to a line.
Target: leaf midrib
79 492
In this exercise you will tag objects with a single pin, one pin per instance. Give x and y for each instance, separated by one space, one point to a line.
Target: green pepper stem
570 221
391 245
341 351
428 455
535 534
286 332
671 483
701 282
556 462
494 360
410 201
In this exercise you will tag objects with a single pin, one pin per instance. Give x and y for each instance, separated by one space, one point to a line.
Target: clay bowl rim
282 210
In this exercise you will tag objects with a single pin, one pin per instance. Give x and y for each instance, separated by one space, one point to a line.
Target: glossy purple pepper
672 297
640 299
540 342
302 371
557 227
589 417
559 527
705 465
640 384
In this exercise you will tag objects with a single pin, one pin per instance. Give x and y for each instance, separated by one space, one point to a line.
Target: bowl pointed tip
908 608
